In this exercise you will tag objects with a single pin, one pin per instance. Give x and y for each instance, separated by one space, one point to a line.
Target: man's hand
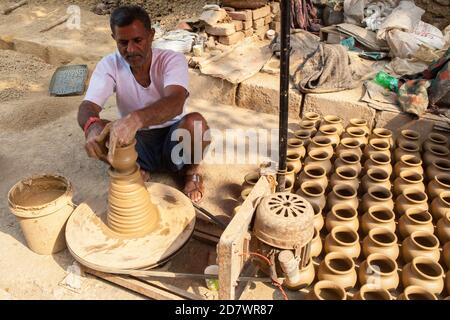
122 132
95 140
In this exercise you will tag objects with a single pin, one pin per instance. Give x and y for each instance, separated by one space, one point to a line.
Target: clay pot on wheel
378 217
435 139
379 161
297 146
440 205
435 152
408 136
443 228
369 292
379 271
321 143
124 158
358 134
408 162
439 184
415 219
342 215
313 172
411 198
421 244
381 240
350 160
344 240
438 167
345 175
360 123
375 177
338 268
320 158
377 196
408 179
313 193
343 194
377 146
406 148
424 272
334 121
348 145
416 293
383 134
327 290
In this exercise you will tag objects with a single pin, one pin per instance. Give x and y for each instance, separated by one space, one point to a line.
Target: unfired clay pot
290 172
250 179
327 290
334 121
439 184
440 205
379 271
443 228
309 126
379 161
377 196
381 240
408 179
435 139
313 172
303 135
411 198
316 244
384 134
377 146
321 158
345 175
330 132
438 166
408 135
125 158
416 293
304 277
348 144
408 162
314 193
369 292
435 152
297 146
338 268
360 123
344 240
341 194
293 157
415 219
358 134
421 244
319 221
321 143
375 177
424 272
406 148
349 159
312 116
378 217
342 215
446 254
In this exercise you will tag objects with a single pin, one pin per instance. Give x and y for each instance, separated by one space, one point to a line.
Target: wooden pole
14 7
56 23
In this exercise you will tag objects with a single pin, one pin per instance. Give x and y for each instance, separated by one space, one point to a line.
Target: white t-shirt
113 74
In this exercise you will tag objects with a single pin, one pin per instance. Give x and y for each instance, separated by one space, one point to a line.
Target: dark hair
125 15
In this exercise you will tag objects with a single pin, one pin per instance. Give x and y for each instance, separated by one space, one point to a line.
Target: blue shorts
154 148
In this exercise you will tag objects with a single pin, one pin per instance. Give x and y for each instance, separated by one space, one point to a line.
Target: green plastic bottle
387 81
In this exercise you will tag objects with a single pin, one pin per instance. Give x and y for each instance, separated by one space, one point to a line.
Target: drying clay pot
321 143
313 193
331 132
296 278
350 160
411 198
379 271
369 292
316 244
290 172
338 268
348 145
319 221
306 275
408 179
344 240
408 136
377 146
438 166
439 184
435 139
443 228
250 179
421 244
416 293
313 172
312 116
303 135
406 148
293 158
358 134
334 121
446 254
343 194
321 158
408 162
327 290
383 134
375 177
435 152
379 161
381 240
415 219
297 146
440 205
377 196
424 272
378 217
308 126
345 175
245 192
124 158
342 215
360 123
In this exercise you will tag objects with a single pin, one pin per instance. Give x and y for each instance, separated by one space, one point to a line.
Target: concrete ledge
261 93
210 88
344 104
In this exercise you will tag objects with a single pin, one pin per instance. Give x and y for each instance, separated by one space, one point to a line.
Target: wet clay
37 192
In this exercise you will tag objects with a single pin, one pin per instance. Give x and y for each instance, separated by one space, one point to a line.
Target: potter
151 88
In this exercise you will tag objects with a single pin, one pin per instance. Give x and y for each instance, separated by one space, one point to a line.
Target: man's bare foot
145 175
193 187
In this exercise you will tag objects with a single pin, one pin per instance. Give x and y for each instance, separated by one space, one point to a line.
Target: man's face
134 42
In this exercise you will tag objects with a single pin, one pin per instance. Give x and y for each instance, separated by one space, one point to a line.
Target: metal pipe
284 89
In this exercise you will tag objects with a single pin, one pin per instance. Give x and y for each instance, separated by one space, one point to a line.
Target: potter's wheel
96 246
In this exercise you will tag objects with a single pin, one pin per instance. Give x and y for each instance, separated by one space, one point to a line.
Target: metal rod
284 89
222 225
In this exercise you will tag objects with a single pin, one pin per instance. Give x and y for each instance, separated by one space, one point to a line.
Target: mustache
133 55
